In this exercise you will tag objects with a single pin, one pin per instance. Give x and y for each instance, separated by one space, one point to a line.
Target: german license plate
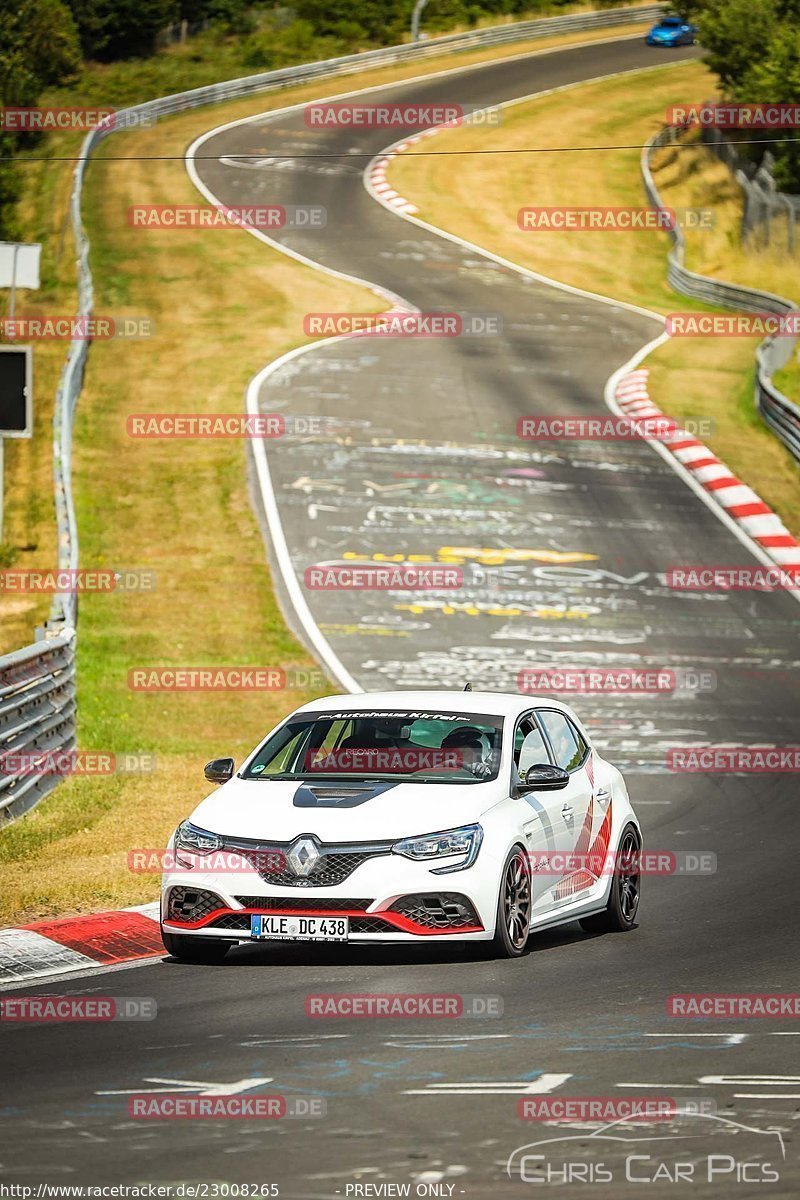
268 926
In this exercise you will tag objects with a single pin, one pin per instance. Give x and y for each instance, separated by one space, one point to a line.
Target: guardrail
43 710
37 717
778 411
496 35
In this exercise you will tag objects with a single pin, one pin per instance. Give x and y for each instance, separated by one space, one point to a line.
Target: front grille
191 904
301 903
334 865
449 910
330 870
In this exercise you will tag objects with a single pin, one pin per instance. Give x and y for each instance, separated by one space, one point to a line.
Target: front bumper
386 899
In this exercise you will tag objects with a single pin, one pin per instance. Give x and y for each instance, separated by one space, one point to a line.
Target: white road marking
733 1039
203 1087
756 1080
516 1087
774 1081
687 1086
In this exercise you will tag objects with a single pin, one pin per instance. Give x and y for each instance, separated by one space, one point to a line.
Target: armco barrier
37 716
779 412
45 710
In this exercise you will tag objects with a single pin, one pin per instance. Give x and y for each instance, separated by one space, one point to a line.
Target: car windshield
670 23
426 747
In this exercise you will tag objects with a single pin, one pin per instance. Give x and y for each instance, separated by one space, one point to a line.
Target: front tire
619 914
194 949
513 906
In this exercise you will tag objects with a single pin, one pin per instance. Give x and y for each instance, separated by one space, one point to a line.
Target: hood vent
333 795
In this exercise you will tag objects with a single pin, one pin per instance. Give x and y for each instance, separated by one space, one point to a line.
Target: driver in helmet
470 747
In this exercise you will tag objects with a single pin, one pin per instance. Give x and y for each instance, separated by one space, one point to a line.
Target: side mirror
219 770
542 777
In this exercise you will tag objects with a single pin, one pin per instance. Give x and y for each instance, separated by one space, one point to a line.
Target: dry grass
691 378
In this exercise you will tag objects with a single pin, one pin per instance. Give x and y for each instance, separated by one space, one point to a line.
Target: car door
548 837
575 802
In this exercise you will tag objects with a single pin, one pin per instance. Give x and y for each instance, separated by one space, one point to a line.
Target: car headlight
198 841
465 841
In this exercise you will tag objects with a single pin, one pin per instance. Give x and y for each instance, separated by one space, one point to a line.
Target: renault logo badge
303 856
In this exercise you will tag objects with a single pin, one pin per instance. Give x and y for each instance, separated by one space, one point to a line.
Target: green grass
788 379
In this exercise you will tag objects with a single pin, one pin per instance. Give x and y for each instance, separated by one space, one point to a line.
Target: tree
736 33
38 49
754 48
114 29
381 21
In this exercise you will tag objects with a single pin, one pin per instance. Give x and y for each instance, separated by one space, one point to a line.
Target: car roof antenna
467 687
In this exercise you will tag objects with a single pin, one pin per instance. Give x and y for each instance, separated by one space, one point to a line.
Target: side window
568 746
532 748
582 743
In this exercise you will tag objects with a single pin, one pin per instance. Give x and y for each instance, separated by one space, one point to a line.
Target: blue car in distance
672 31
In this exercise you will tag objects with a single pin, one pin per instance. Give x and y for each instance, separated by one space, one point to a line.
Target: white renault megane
406 817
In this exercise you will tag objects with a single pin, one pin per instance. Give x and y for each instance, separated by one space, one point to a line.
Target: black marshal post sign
16 401
16 393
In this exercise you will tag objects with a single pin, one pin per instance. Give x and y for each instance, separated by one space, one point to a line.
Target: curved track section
562 548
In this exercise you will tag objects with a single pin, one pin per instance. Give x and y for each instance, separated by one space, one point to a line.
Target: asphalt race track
426 457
